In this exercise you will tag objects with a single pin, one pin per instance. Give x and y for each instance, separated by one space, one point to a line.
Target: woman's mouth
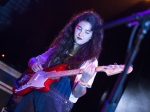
79 38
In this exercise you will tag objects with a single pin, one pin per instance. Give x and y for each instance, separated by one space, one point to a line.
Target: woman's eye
79 28
87 32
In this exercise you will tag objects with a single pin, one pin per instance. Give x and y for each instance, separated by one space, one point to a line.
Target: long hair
65 40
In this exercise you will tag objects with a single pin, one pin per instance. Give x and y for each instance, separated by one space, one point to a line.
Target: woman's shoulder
91 61
50 50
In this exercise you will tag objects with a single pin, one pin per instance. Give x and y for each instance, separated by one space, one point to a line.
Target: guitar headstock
115 69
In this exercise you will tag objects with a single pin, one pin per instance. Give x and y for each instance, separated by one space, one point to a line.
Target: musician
78 47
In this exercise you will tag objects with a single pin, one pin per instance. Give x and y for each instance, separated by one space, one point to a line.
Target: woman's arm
36 63
80 88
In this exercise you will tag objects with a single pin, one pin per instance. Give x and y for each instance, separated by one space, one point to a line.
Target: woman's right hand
36 67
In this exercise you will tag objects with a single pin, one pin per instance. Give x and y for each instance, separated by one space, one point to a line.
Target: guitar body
30 80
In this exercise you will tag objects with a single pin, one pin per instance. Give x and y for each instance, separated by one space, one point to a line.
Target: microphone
134 17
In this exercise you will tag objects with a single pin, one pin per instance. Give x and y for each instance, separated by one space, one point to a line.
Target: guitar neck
70 72
109 70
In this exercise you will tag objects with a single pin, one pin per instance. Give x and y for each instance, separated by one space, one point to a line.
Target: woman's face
82 33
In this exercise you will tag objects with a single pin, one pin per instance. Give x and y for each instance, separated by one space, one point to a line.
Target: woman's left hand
88 73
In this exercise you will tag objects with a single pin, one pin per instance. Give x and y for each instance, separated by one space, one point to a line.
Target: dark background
28 26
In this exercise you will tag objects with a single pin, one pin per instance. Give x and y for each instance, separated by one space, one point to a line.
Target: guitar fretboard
70 72
109 70
63 73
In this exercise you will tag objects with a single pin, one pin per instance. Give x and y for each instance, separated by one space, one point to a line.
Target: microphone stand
111 103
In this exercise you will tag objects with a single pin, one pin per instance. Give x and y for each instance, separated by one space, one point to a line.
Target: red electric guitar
42 79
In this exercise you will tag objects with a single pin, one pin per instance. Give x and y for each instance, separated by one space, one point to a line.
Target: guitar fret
66 73
63 73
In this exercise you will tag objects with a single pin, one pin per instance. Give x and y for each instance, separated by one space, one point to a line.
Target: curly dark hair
65 40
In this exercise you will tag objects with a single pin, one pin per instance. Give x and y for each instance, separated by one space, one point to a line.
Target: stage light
3 55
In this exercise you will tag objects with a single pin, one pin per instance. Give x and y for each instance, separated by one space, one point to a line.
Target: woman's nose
80 33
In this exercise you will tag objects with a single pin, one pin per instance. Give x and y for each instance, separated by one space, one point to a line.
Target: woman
78 47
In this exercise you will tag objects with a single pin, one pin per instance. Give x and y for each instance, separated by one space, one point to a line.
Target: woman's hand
88 73
36 67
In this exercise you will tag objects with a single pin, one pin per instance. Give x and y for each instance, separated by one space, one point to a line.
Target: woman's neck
75 49
76 46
